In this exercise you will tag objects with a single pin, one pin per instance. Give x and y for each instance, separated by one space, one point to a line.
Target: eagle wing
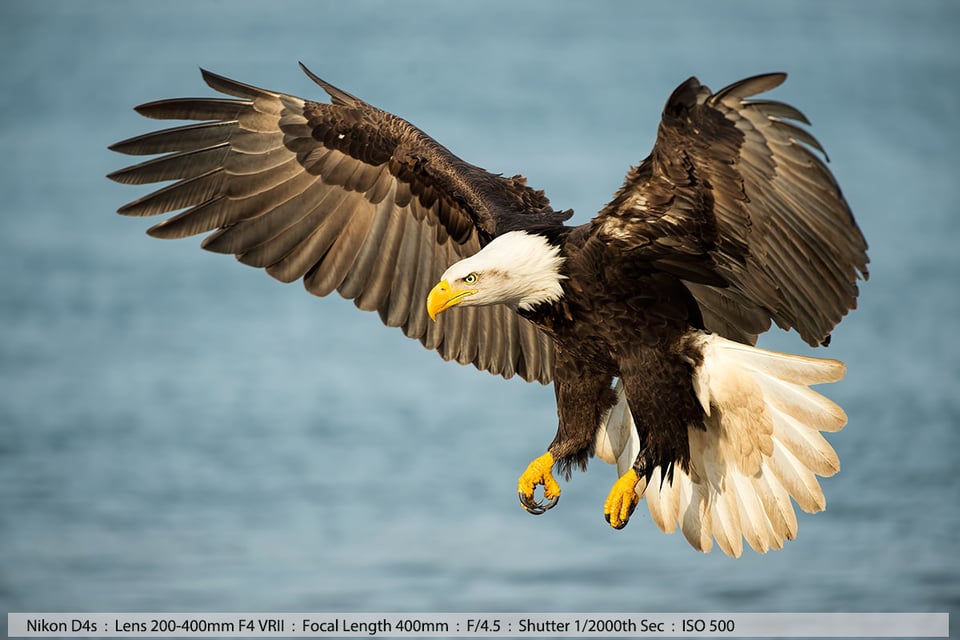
345 196
733 201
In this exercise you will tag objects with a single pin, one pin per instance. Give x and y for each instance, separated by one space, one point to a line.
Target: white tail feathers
761 447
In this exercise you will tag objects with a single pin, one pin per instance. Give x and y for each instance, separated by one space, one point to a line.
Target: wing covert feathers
762 447
347 198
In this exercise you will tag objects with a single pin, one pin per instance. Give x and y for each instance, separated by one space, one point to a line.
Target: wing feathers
233 87
398 309
330 271
734 93
179 195
749 201
310 239
376 291
366 255
187 138
188 164
338 96
343 195
774 109
204 217
220 109
249 163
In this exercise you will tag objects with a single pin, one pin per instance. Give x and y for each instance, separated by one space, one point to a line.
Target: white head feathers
518 269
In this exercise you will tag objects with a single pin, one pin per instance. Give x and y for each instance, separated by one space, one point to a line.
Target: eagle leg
622 500
539 472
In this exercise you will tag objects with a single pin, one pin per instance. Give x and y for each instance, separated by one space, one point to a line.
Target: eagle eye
471 279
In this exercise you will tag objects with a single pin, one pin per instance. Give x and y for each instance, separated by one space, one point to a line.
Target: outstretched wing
345 196
733 201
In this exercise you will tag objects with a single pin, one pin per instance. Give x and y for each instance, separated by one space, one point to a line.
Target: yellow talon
622 500
539 472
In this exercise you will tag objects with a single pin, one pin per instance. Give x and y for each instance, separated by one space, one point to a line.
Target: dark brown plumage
731 190
730 223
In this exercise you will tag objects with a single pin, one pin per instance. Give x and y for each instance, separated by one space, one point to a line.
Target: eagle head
518 269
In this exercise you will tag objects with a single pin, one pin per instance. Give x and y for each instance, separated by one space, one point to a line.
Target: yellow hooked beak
443 296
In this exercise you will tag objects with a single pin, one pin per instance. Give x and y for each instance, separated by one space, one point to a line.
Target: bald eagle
644 318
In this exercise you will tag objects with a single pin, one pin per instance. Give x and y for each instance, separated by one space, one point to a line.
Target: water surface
180 432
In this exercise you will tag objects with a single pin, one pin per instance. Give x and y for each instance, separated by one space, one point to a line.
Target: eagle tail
761 448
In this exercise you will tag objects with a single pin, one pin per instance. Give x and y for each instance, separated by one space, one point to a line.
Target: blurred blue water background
180 432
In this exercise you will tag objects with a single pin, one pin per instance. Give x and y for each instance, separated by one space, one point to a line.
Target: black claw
606 517
537 508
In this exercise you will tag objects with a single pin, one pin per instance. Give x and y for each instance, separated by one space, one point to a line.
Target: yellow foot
538 473
622 500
